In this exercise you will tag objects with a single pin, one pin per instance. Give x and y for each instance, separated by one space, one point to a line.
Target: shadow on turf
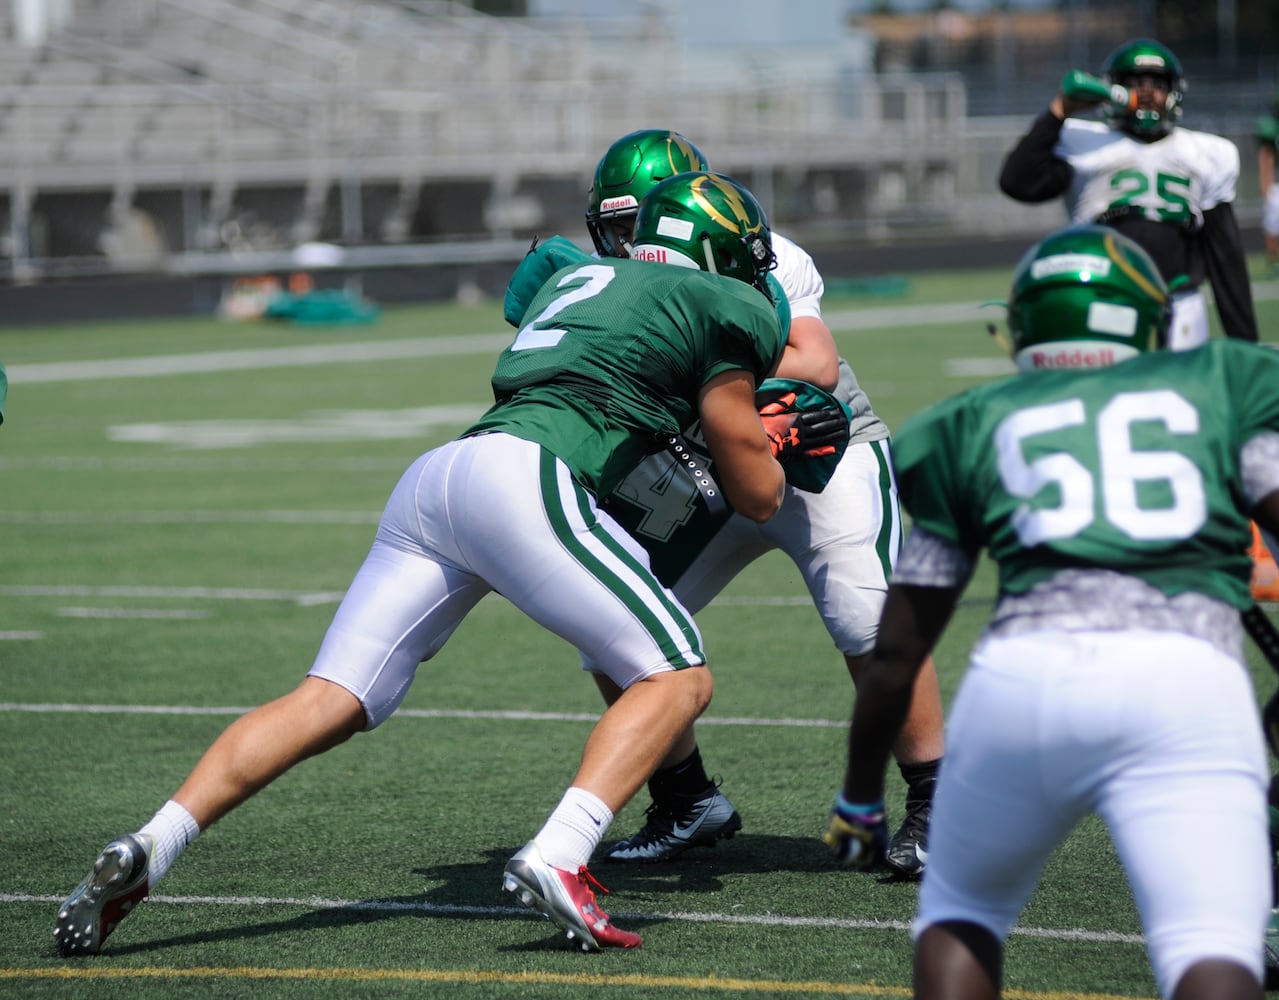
477 885
699 870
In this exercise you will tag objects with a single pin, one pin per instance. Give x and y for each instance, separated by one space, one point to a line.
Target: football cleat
907 853
669 830
566 899
120 880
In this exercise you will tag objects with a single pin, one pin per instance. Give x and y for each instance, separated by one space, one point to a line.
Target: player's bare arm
810 353
751 478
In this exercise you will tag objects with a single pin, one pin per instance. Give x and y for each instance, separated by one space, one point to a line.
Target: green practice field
184 502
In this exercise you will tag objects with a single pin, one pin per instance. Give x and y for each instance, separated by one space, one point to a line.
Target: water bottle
1081 86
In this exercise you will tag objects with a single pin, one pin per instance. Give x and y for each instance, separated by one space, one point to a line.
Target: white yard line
839 320
266 357
448 910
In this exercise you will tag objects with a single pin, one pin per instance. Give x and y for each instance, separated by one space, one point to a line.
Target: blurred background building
417 145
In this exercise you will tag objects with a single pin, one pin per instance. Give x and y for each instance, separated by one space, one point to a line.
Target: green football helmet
1137 57
633 165
1086 297
707 221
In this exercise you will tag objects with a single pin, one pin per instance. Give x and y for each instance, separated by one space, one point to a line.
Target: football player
610 354
1168 188
1267 155
1112 484
842 533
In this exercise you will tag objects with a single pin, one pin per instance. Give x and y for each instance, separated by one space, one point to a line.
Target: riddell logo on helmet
1065 357
622 201
649 253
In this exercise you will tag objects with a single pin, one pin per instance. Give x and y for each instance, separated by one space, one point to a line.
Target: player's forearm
810 354
1228 271
752 480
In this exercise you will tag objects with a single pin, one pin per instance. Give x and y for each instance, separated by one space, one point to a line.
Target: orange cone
1265 575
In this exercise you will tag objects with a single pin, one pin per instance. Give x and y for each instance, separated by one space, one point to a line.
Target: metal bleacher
216 97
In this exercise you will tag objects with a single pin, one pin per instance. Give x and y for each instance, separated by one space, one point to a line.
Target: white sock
173 828
573 830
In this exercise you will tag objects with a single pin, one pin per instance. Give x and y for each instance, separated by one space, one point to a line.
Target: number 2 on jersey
1121 468
537 334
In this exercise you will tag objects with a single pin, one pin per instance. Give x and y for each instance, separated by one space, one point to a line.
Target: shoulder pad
542 260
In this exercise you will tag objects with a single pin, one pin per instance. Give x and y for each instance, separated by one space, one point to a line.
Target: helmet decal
676 229
1064 263
708 220
1137 278
740 222
1106 317
688 153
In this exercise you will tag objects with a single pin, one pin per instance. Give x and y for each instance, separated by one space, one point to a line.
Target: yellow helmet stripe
741 214
1139 279
676 142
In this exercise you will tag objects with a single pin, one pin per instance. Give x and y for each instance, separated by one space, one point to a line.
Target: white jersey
1174 179
799 278
843 540
803 285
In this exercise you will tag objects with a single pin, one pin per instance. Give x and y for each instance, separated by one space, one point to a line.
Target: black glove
810 434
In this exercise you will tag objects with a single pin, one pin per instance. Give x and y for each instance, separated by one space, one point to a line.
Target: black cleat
670 831
907 853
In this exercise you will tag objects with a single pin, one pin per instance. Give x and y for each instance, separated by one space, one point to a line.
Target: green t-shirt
1133 468
612 354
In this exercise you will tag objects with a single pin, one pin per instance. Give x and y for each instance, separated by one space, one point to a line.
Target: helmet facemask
1126 66
612 227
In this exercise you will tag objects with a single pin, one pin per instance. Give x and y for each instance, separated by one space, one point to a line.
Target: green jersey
1132 468
611 356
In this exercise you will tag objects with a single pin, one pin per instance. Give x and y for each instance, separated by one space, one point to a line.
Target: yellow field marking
469 976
